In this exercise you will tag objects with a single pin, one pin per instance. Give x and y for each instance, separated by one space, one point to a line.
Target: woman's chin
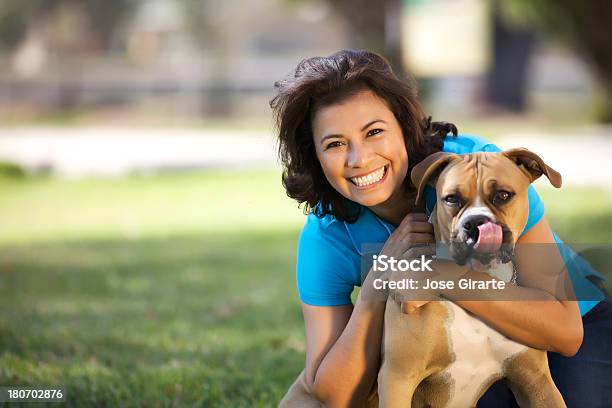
370 199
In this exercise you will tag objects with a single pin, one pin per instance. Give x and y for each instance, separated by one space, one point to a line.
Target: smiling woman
372 104
350 132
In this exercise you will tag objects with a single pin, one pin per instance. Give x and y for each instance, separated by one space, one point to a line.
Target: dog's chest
479 352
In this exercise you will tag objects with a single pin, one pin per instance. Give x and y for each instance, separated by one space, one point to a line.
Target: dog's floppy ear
533 166
424 171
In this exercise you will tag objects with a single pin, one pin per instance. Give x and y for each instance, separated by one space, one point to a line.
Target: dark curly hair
322 81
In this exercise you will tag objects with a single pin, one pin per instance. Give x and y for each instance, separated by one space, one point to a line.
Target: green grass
208 319
579 215
47 209
171 289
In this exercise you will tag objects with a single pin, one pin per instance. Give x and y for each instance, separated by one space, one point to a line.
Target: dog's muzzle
478 237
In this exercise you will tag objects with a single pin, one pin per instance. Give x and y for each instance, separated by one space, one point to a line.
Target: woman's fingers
399 246
411 217
418 250
417 238
413 230
417 226
414 223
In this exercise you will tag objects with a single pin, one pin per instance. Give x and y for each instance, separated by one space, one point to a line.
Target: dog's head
482 204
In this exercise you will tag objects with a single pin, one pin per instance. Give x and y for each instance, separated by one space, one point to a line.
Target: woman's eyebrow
324 138
367 125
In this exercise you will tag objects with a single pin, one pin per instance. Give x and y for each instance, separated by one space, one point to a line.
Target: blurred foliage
374 26
584 25
540 14
11 170
16 16
205 20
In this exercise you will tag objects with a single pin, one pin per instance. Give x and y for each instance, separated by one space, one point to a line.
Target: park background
147 247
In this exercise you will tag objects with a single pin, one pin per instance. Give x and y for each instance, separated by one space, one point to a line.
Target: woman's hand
413 238
413 230
442 272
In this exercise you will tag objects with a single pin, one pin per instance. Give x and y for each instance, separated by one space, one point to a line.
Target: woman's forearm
536 318
348 371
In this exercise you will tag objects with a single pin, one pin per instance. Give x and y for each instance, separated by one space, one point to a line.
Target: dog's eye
502 196
452 199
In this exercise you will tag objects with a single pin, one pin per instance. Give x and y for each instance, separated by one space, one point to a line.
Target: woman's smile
370 180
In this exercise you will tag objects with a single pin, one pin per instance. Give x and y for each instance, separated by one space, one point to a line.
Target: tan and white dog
440 355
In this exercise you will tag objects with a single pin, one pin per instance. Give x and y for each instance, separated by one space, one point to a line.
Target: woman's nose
357 156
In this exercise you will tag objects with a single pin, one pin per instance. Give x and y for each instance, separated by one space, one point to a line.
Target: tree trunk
375 26
592 21
512 48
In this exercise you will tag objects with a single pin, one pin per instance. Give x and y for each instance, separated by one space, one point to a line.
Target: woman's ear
428 170
532 165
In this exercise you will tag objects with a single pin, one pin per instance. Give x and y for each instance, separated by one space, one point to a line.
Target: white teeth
370 178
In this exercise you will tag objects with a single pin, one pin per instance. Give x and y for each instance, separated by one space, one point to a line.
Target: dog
440 355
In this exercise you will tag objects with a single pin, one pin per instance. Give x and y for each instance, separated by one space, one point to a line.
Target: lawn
170 289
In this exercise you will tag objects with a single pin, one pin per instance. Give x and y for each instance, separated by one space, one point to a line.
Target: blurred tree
207 20
59 28
512 48
584 24
375 26
17 15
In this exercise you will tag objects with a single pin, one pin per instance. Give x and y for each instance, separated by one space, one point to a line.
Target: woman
349 133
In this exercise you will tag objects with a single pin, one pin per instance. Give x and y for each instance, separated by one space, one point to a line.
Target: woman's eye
333 144
374 132
502 196
452 199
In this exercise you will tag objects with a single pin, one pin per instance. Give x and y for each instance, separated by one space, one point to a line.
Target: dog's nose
473 221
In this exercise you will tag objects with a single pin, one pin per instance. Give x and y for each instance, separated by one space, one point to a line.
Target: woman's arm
343 342
551 324
343 351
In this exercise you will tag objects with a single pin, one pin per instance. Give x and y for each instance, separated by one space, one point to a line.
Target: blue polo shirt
329 251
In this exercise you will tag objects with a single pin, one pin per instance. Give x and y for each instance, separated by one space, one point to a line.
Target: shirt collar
368 232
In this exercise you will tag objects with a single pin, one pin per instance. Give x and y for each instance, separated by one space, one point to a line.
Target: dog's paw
413 305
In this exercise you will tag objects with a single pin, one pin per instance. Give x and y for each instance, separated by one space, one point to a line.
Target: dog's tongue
489 237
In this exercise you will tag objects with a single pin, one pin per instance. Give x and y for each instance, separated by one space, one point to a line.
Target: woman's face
360 146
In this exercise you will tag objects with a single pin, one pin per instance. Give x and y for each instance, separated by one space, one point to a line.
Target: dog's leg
529 379
403 365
